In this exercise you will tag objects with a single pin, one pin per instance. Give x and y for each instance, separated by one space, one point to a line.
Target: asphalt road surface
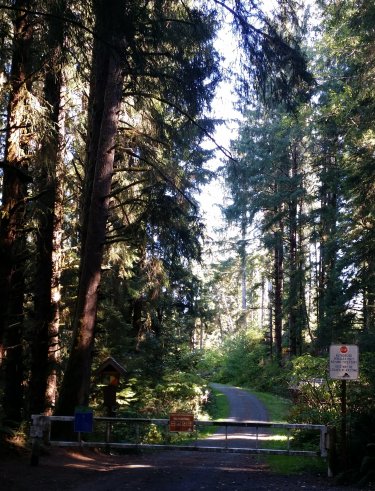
243 406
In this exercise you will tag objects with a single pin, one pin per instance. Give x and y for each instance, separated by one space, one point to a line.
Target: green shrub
176 391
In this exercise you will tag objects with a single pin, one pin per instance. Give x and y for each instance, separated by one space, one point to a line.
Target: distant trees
305 174
269 167
349 105
302 175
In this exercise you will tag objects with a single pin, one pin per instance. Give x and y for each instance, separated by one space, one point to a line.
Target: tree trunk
303 288
12 239
243 255
293 279
328 287
243 317
107 91
278 292
45 345
270 322
369 296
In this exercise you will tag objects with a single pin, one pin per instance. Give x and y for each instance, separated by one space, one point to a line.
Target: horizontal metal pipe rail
41 427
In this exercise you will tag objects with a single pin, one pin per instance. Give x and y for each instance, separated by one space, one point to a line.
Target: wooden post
108 432
331 452
108 428
344 449
35 451
39 425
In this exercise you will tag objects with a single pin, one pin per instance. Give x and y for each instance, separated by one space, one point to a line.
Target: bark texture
45 344
12 239
106 94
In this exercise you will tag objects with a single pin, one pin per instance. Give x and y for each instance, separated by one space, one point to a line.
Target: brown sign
181 422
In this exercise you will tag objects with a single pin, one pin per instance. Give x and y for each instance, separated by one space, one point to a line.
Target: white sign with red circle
343 361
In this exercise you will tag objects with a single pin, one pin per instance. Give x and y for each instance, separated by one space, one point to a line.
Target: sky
212 195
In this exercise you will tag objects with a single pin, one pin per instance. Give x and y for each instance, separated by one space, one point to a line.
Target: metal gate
104 435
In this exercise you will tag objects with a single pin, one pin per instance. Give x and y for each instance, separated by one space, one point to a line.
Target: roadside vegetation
300 391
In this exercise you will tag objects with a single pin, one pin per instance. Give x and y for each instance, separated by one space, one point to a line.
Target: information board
343 361
181 422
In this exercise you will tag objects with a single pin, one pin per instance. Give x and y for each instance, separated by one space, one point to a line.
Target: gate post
331 451
40 424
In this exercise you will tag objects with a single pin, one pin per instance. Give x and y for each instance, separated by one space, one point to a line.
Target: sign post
343 365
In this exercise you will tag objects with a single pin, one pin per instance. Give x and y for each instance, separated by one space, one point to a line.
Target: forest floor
88 470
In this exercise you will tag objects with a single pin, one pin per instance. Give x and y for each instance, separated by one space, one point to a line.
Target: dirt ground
89 470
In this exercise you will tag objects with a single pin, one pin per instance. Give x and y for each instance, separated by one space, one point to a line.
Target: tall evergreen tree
106 87
16 179
45 332
137 61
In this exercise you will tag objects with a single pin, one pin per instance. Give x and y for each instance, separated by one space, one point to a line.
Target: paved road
243 406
